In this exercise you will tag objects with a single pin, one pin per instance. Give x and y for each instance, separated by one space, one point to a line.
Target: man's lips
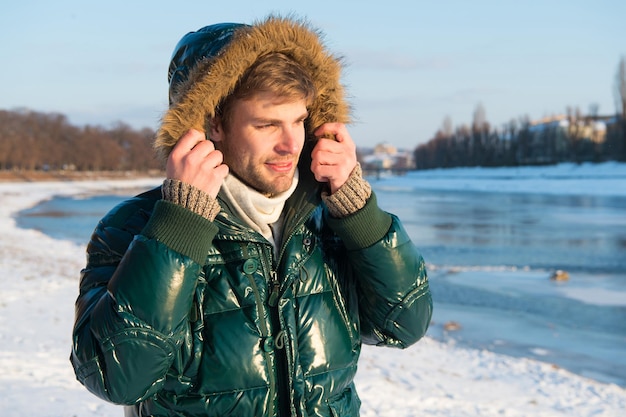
280 166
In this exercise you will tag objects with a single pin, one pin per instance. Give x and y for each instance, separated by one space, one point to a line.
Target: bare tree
447 128
479 122
620 88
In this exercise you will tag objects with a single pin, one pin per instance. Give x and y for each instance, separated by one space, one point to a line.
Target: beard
255 179
256 174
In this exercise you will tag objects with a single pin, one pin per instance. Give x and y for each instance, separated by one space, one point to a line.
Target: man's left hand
333 159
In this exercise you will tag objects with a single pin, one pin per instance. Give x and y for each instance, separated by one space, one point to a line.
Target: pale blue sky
410 63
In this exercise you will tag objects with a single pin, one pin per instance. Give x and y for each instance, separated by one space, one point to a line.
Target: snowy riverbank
39 284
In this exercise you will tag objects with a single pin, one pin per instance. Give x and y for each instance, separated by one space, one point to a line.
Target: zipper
280 384
282 365
275 289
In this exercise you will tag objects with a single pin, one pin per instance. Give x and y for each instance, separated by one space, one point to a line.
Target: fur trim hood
207 64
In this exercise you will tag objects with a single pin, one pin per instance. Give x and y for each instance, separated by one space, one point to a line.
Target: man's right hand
195 161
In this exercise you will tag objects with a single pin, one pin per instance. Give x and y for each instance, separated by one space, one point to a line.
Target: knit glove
350 197
190 197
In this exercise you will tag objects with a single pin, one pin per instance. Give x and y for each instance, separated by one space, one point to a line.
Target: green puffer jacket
179 315
238 332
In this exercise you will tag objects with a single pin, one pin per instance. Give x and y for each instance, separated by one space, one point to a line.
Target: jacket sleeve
136 292
395 304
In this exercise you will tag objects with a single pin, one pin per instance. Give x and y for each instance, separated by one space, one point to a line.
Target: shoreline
10 176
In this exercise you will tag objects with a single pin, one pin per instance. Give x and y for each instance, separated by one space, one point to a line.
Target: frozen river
469 228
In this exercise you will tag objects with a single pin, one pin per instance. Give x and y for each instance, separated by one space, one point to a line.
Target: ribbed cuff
363 228
350 197
182 230
191 198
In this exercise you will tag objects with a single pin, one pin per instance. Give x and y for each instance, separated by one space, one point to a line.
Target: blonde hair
274 73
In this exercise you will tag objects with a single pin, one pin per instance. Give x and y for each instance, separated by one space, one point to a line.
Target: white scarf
261 213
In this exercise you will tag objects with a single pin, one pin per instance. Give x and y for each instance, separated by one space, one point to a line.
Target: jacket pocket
345 404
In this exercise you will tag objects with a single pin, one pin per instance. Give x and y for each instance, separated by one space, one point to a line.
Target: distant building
550 139
386 157
590 128
385 149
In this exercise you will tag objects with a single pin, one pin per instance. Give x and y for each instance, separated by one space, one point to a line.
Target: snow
433 378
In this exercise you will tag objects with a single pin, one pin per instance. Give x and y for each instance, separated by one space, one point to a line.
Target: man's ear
216 130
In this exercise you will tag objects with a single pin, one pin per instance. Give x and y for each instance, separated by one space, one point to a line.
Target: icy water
490 257
576 233
68 218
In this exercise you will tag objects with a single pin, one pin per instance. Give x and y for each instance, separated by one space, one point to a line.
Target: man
245 285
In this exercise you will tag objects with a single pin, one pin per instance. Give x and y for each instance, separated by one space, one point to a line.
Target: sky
409 64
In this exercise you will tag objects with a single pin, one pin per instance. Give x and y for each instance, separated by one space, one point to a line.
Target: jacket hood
207 64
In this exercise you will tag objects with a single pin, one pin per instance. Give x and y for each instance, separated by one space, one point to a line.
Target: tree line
572 137
31 140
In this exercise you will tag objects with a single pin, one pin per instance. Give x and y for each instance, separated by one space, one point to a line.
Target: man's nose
290 140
